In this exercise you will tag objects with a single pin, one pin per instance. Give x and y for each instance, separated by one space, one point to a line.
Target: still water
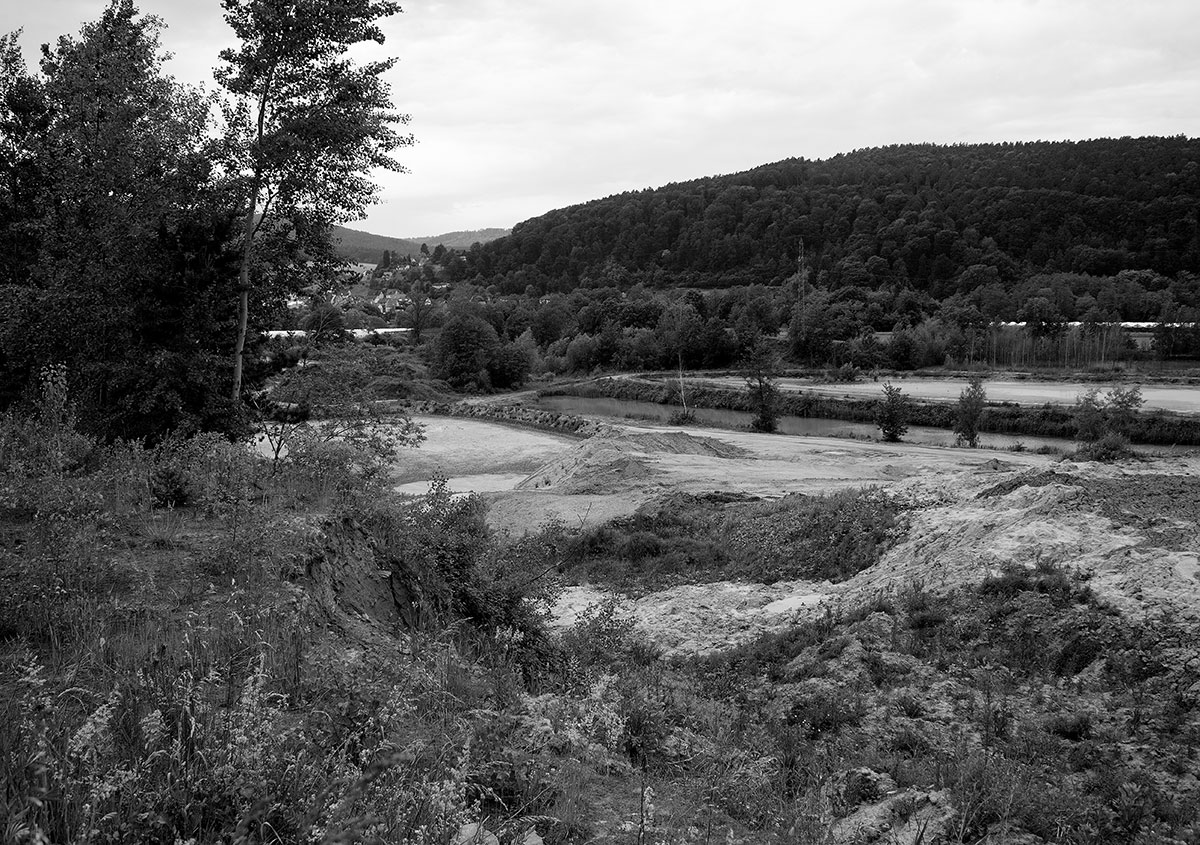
808 426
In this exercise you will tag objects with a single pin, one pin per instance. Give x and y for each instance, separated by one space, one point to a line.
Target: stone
853 787
474 834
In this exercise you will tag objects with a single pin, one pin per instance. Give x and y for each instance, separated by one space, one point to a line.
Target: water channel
622 409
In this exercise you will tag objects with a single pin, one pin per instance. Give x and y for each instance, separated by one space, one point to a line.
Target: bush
892 413
971 403
1108 448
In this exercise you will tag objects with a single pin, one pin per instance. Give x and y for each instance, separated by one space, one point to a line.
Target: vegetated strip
1156 427
512 414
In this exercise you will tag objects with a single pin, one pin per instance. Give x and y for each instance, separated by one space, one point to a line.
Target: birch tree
307 125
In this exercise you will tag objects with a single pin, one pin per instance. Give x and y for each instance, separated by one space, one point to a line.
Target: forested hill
364 246
940 219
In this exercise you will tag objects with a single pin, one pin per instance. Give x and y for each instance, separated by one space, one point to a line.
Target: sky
522 106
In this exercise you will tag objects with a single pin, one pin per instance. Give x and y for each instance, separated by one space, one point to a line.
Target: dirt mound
349 590
610 463
1031 478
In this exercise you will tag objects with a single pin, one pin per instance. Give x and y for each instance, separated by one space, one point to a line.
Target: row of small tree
1102 422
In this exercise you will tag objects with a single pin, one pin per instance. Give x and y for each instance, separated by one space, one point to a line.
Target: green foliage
447 565
689 539
193 709
971 404
324 323
892 413
304 127
463 349
320 422
942 221
117 231
1044 420
509 366
1103 424
762 367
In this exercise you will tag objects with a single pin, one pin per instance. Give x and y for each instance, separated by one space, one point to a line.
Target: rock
850 788
911 817
1005 834
474 834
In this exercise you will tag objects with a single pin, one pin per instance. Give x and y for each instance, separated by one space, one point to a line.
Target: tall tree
306 126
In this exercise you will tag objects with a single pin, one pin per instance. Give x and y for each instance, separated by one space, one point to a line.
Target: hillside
939 219
367 247
463 240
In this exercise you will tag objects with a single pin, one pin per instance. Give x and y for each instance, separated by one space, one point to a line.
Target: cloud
519 107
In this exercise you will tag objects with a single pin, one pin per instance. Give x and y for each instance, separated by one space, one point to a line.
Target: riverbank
1158 427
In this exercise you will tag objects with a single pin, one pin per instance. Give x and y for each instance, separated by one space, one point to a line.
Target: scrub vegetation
219 622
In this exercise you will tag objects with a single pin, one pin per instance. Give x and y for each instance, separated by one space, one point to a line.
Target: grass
690 539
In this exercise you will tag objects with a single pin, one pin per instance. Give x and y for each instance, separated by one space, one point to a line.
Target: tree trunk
248 237
244 295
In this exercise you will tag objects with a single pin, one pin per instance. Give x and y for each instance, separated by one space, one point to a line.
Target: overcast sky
521 106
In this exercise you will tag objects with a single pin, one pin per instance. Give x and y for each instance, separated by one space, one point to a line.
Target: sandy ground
475 455
1133 528
608 477
531 477
1179 398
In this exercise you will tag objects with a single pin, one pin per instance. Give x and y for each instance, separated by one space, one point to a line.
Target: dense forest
940 220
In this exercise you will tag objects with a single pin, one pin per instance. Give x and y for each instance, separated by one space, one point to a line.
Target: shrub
969 411
1106 449
892 412
1098 417
1070 726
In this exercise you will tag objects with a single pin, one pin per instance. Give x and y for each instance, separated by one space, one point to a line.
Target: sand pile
612 463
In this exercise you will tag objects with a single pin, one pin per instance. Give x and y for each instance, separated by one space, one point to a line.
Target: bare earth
1109 523
613 476
1132 528
477 456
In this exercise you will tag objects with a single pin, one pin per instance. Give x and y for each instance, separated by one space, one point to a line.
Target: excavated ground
1132 529
613 474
